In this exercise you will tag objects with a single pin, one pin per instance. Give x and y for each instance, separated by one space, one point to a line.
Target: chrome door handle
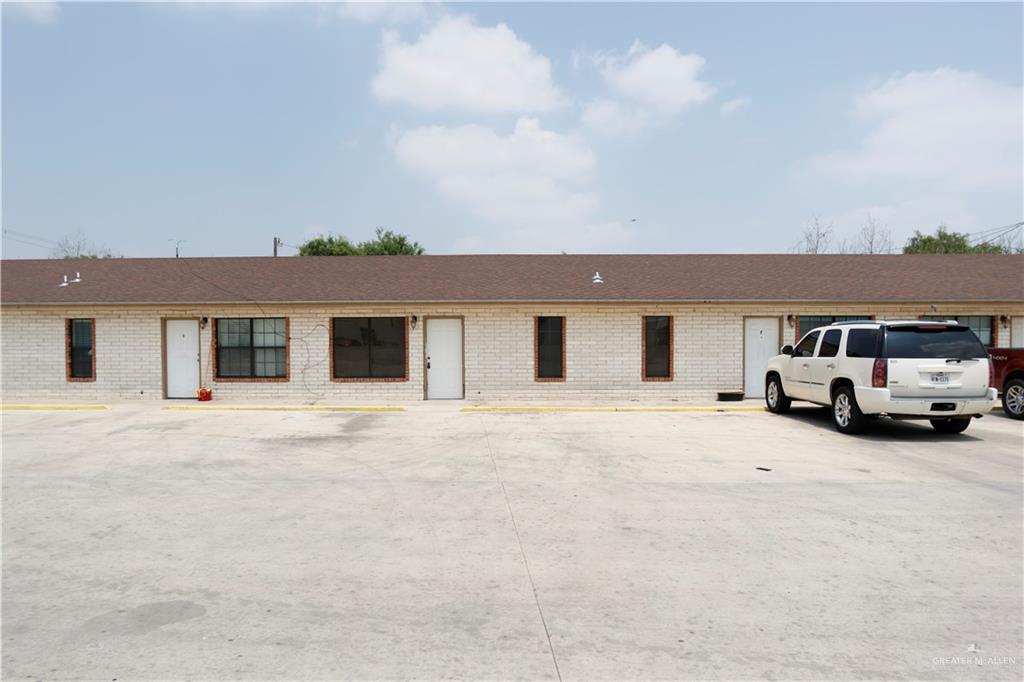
805 365
831 366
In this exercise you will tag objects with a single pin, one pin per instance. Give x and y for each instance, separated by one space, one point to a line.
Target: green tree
944 241
390 243
328 246
386 243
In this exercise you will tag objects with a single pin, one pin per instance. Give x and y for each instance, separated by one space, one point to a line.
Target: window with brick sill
80 354
371 349
549 349
251 349
657 348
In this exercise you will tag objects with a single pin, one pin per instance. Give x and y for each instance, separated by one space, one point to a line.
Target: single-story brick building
562 327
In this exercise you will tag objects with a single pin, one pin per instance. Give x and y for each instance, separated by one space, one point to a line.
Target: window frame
367 380
821 344
671 348
814 349
536 350
799 333
993 325
68 324
253 379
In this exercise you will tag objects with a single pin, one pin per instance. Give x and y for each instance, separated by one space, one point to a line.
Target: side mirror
787 350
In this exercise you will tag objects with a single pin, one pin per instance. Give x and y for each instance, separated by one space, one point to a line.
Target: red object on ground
204 394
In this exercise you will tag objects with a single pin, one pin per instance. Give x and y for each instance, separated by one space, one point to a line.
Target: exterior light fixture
791 320
1004 321
412 321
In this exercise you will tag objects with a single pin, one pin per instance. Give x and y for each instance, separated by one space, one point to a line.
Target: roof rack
841 322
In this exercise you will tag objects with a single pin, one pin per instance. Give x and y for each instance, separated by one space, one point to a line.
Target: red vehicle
1008 379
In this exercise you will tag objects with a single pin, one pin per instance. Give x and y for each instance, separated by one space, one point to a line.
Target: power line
27 243
33 237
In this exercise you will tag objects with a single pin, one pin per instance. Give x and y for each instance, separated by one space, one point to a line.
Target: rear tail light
880 373
991 374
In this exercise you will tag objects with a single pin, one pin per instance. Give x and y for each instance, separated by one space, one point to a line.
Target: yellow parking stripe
284 408
54 407
667 408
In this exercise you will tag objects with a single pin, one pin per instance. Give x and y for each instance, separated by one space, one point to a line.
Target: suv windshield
933 342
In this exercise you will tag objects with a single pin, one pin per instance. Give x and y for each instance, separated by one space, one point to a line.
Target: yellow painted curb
283 408
54 407
669 408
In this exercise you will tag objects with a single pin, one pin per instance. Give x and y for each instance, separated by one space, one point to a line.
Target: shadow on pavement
881 429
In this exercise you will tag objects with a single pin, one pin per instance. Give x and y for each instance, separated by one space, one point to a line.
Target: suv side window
805 348
862 343
830 343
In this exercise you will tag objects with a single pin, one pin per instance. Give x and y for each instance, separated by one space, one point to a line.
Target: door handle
830 366
806 365
428 362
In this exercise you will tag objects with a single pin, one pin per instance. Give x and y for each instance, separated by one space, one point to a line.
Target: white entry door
760 344
444 358
182 355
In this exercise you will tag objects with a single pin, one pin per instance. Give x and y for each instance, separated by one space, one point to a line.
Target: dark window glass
248 347
369 347
809 322
550 347
862 343
657 347
80 341
979 324
830 343
933 342
805 348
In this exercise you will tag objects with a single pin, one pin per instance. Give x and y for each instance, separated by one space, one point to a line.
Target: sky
506 128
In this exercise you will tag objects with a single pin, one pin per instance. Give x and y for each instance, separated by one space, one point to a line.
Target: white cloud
650 86
39 11
458 65
663 78
734 105
952 129
382 12
531 186
609 117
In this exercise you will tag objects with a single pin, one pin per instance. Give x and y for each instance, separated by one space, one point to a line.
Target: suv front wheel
846 414
776 399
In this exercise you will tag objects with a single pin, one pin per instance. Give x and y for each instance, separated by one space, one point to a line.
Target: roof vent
78 278
596 279
64 283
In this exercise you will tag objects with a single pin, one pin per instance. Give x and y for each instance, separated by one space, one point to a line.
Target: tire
774 397
951 425
1013 398
846 414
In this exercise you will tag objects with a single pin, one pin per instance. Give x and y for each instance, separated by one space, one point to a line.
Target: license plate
940 378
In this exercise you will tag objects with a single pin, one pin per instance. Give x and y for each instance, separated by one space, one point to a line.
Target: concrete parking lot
434 543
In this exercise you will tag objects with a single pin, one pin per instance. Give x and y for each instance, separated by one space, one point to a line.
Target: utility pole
177 243
277 242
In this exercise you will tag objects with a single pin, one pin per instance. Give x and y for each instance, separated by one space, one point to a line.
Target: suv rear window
933 342
861 343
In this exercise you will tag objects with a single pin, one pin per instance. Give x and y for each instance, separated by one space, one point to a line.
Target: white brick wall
603 350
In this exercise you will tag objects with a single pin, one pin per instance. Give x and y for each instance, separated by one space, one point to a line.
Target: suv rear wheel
1013 398
846 414
957 425
776 399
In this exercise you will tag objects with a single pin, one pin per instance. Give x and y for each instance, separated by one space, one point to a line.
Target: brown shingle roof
517 278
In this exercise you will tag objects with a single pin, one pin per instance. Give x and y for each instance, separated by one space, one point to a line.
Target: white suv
911 370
